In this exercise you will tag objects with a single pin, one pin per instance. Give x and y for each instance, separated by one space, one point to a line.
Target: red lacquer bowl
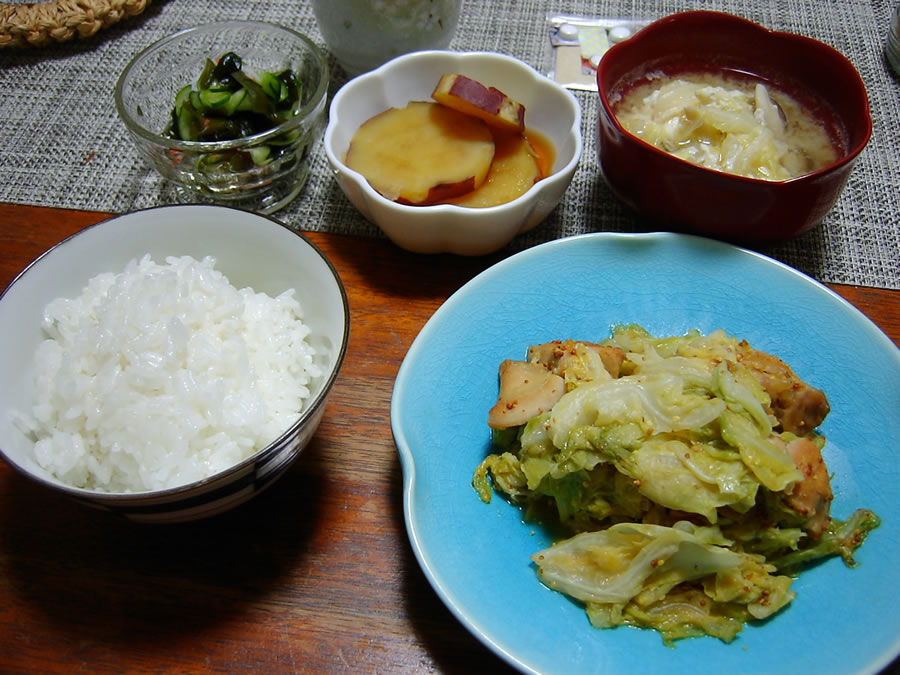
675 194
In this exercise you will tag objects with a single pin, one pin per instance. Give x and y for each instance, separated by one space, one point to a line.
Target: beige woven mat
42 23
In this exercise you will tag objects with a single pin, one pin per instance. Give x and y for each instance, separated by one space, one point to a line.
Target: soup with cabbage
735 125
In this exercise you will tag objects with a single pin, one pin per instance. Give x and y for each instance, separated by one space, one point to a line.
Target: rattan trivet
43 23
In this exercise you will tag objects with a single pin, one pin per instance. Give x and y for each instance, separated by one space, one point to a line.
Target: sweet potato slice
473 98
423 153
513 171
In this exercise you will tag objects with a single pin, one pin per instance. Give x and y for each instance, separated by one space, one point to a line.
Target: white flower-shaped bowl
550 109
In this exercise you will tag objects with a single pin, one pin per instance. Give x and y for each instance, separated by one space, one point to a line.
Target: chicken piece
526 390
799 407
553 355
812 496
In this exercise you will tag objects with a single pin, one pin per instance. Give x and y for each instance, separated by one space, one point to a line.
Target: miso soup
732 124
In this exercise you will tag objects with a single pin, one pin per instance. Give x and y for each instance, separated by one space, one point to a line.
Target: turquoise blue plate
476 555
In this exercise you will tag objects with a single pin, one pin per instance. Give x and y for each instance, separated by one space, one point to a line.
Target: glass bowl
260 172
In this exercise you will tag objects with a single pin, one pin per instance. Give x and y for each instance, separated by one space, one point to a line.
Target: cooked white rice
165 374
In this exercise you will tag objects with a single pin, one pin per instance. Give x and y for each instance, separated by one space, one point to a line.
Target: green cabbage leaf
687 478
657 404
682 580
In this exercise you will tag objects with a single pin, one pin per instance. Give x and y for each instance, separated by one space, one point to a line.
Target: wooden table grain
314 575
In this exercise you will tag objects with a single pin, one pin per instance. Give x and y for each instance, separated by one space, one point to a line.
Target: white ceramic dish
476 555
549 109
251 250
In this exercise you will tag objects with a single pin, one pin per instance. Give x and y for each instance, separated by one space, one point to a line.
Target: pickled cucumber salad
228 102
684 477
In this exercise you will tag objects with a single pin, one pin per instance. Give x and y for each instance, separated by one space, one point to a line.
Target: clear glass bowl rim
217 146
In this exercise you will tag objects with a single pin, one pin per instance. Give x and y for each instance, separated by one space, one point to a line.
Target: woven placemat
63 145
43 23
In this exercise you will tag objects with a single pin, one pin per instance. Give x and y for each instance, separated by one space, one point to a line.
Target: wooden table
315 575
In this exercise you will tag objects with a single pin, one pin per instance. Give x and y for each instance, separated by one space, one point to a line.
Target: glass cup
892 49
363 34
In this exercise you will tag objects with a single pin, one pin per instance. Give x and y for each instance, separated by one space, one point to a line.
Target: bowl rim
172 493
338 165
318 97
665 24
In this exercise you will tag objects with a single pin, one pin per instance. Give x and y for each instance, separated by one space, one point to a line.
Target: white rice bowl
164 374
185 398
